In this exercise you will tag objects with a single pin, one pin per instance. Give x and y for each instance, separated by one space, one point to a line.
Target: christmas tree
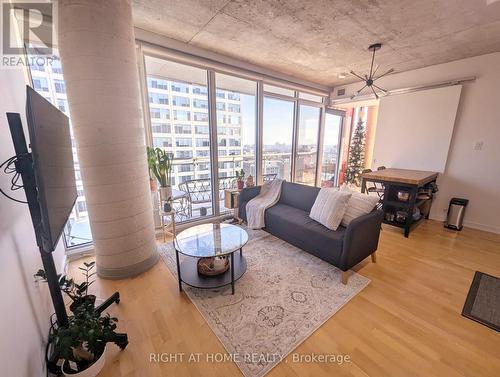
355 164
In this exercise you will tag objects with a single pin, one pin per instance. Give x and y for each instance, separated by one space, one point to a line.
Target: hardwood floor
407 322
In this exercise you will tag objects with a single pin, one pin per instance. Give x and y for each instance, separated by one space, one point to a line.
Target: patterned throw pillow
358 205
329 207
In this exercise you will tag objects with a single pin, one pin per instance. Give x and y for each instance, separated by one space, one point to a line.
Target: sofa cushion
359 204
298 196
297 228
329 207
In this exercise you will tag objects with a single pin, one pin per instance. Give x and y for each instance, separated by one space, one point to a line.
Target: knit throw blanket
269 196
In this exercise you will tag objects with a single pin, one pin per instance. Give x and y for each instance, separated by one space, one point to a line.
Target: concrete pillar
97 48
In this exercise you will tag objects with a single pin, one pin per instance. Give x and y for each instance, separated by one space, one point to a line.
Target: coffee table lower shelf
188 273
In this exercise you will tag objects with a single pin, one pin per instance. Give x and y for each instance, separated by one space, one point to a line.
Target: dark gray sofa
289 220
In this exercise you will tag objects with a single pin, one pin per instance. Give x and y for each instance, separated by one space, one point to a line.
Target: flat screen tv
50 142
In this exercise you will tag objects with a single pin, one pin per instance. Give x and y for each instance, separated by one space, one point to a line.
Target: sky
278 122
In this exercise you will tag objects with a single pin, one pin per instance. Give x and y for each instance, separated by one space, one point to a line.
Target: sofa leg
345 277
374 257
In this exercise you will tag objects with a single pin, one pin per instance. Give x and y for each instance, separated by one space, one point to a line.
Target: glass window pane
279 90
277 138
311 97
48 80
307 145
330 158
236 101
179 125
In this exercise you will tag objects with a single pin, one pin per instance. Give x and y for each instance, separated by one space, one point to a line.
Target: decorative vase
165 193
167 207
250 182
92 371
240 184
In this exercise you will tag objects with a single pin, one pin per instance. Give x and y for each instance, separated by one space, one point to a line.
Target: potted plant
78 293
151 155
81 344
240 176
162 170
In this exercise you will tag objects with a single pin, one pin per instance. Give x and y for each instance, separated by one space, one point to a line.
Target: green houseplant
161 167
151 156
81 344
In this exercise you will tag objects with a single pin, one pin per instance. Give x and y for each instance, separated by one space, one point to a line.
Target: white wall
25 306
469 173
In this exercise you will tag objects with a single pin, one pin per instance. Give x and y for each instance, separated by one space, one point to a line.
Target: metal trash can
456 211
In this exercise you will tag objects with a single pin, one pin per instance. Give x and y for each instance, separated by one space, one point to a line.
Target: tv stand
24 166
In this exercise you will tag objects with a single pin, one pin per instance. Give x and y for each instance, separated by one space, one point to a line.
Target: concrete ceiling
317 40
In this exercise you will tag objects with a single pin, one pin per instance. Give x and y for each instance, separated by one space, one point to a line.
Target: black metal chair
378 189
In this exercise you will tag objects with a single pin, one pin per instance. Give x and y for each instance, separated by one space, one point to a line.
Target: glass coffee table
210 241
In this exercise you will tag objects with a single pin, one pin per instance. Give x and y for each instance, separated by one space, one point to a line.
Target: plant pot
240 184
152 185
249 182
92 371
167 207
165 193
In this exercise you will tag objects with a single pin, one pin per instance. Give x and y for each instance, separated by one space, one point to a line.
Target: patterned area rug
284 296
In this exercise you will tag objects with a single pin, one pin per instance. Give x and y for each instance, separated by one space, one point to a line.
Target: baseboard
472 224
486 228
64 264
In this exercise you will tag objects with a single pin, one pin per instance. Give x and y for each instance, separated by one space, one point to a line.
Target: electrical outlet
478 145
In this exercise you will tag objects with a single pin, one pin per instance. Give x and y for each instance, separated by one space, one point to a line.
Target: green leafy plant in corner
77 292
160 165
84 339
151 154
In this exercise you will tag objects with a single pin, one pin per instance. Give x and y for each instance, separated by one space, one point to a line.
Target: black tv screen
50 142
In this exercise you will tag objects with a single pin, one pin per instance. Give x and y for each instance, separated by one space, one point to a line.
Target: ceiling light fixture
370 79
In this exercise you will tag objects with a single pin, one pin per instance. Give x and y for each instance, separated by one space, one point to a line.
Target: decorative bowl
403 196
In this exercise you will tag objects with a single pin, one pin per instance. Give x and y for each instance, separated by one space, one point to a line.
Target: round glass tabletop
210 240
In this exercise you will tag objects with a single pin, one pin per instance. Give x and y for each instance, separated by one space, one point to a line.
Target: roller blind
414 130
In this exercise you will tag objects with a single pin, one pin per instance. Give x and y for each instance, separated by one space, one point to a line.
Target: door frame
341 114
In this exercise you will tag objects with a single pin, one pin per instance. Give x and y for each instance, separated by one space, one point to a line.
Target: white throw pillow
329 207
359 204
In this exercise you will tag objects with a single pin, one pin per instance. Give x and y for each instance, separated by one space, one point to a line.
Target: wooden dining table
404 191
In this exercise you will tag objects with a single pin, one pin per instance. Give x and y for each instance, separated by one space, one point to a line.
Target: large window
181 114
331 149
307 145
236 140
213 138
277 138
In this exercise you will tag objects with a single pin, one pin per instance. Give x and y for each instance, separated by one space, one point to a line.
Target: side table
167 227
231 197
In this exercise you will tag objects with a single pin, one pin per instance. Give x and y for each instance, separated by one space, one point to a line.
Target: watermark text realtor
26 25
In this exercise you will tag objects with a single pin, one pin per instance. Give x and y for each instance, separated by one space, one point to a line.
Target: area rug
284 296
483 301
